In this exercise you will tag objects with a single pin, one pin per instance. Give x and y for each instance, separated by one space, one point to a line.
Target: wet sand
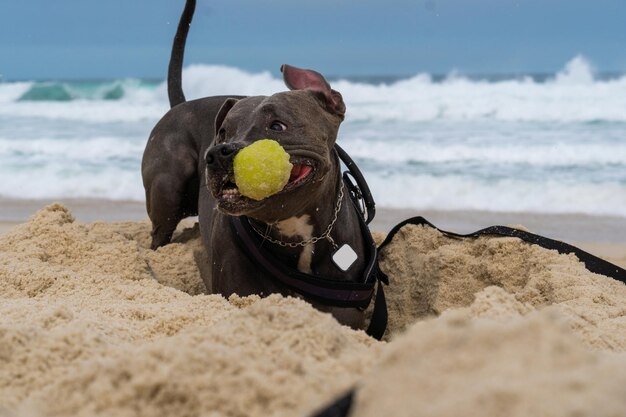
568 227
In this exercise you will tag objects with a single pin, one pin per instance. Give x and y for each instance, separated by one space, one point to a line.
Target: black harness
346 294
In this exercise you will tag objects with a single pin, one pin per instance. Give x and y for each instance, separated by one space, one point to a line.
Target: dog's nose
220 154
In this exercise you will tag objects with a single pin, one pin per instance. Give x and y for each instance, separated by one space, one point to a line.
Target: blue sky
75 39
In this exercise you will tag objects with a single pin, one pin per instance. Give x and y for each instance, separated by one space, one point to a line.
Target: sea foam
573 94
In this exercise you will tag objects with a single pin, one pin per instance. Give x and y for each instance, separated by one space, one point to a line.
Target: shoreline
572 227
601 235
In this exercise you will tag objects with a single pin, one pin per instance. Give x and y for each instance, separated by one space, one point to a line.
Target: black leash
338 408
592 263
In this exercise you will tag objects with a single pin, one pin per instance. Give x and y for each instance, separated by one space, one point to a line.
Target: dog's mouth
231 200
299 173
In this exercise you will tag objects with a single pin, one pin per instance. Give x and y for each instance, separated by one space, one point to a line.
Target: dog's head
304 121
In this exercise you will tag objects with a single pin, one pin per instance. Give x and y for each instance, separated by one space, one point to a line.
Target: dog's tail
175 69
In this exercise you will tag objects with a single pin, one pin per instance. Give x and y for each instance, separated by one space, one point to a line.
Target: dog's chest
301 228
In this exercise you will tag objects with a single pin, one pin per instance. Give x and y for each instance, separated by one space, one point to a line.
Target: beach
95 323
92 316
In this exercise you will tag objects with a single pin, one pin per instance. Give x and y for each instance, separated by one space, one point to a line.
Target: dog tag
344 257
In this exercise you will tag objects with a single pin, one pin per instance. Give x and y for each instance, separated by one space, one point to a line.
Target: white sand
94 323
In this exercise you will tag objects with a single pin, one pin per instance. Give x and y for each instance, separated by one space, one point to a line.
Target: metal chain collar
313 240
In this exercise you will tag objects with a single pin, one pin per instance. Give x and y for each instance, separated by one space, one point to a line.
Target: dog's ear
223 111
303 79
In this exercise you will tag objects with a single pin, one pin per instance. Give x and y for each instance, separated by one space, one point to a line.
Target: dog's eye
278 126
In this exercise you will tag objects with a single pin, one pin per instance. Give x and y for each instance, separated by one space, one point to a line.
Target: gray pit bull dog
187 169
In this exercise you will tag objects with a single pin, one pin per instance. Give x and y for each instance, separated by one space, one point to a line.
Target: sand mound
458 366
431 273
94 323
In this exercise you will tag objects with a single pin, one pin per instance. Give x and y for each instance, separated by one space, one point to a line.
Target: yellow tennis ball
261 169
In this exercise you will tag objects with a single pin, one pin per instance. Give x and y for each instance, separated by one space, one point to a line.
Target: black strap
359 192
592 263
378 321
338 408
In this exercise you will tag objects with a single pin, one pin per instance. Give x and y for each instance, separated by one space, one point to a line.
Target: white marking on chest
299 227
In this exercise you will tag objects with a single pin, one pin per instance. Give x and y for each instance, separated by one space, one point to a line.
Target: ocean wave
549 154
216 80
48 92
87 111
11 92
63 179
571 95
83 90
82 150
427 192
